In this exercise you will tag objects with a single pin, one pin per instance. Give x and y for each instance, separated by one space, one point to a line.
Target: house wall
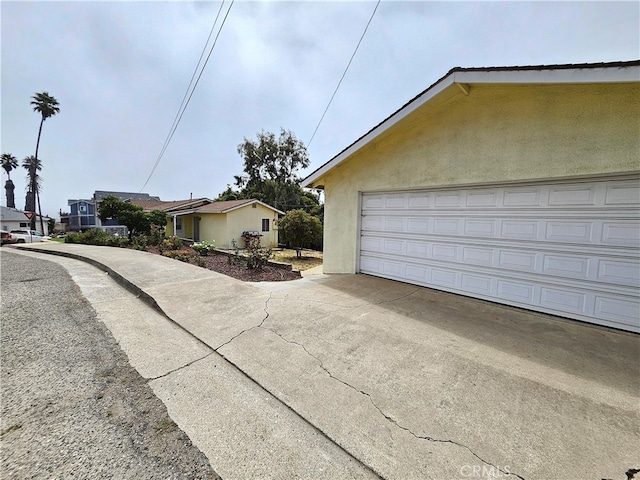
249 218
213 228
495 134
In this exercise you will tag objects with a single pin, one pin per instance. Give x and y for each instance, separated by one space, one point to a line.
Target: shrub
171 243
204 248
257 256
97 237
182 255
185 256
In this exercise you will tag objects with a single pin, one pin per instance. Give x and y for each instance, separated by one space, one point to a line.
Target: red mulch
237 269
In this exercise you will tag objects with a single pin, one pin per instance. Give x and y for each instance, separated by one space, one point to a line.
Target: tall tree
270 168
32 165
48 106
300 229
9 162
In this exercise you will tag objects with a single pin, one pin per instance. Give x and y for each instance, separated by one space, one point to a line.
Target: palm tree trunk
34 192
40 213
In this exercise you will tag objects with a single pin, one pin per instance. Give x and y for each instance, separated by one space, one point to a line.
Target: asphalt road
71 405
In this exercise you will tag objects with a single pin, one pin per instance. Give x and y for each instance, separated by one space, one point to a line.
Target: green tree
51 225
158 218
131 216
229 194
9 162
270 168
300 229
47 106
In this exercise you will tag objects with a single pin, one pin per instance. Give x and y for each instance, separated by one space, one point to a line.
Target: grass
310 258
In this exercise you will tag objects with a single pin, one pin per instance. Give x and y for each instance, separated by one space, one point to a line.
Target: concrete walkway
350 376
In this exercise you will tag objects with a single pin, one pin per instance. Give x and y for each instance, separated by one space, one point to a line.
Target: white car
28 236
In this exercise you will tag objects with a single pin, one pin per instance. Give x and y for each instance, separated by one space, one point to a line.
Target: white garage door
570 249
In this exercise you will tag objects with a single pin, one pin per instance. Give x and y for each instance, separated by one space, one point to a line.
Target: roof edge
623 71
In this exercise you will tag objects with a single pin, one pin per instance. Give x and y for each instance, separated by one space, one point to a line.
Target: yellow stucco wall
248 218
224 227
495 134
213 228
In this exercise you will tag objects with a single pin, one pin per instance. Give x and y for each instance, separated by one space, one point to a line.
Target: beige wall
495 134
249 218
213 228
223 228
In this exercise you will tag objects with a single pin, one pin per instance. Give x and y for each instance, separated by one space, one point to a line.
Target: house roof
124 196
611 72
8 214
171 205
229 205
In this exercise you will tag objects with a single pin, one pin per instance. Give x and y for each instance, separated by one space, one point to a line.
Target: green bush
171 243
185 256
97 237
257 256
204 248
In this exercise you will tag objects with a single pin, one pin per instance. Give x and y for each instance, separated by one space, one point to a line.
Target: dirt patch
309 259
236 268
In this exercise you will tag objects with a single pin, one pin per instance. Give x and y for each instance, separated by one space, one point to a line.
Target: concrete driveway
411 383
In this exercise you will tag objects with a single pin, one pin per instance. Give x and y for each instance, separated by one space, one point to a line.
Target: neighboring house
83 213
14 219
223 222
518 185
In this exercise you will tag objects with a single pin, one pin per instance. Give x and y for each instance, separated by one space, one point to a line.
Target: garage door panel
518 260
483 199
622 193
568 249
619 272
569 232
481 284
563 300
621 233
571 195
478 256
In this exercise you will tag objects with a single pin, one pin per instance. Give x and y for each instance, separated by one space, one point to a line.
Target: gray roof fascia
616 72
250 203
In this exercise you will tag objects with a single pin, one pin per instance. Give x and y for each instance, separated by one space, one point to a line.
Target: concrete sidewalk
364 376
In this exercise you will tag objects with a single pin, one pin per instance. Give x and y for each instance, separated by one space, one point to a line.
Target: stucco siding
250 219
496 134
213 228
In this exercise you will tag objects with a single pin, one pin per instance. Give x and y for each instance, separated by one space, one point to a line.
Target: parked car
28 236
7 238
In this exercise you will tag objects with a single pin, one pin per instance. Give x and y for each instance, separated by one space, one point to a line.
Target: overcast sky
120 70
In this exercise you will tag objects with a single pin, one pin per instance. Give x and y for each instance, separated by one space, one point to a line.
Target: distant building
83 214
14 219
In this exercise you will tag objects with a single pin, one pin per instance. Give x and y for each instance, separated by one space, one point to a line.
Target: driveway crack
266 311
386 416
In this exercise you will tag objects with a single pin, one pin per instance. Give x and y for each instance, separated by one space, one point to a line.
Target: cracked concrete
410 382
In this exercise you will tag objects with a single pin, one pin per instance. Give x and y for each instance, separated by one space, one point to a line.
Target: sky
120 70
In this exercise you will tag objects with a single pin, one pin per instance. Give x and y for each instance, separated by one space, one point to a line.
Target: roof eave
607 73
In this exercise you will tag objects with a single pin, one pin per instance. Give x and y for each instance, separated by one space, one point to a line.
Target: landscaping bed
227 264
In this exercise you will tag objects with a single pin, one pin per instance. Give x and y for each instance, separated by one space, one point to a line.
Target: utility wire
343 75
184 104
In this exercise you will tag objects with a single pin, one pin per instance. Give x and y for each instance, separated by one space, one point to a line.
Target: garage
568 248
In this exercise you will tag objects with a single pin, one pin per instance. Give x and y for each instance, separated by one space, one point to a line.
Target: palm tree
48 107
32 165
9 162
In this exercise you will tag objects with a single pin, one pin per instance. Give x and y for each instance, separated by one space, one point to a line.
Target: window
178 223
83 208
265 224
24 224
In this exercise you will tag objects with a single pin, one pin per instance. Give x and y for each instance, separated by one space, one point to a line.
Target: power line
187 95
343 75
